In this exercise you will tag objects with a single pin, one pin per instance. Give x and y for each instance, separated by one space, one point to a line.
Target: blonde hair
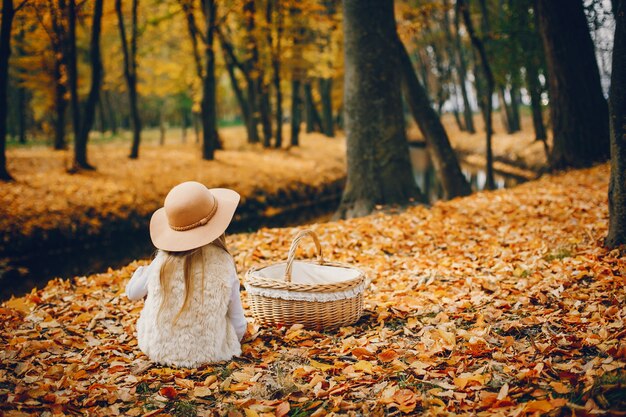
187 258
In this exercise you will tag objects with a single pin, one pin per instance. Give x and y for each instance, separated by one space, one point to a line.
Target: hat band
200 222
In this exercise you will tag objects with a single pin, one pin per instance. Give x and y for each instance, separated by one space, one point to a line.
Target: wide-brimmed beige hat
192 216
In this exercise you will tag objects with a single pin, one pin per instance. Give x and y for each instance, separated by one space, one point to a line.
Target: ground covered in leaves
48 204
501 303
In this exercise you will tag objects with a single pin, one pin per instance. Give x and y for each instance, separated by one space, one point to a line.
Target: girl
193 312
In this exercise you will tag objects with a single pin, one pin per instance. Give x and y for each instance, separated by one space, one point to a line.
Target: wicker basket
318 295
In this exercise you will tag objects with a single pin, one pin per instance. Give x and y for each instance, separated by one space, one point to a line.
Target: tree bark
313 119
209 100
265 110
437 142
505 111
8 12
326 86
617 113
467 108
579 112
251 66
534 90
379 169
130 71
487 104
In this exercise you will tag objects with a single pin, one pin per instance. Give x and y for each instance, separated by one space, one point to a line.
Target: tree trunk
8 12
252 69
89 114
295 111
505 112
112 117
578 109
467 108
265 109
313 119
534 90
196 126
209 102
326 86
60 105
130 71
276 68
244 103
487 104
379 169
515 111
617 113
439 148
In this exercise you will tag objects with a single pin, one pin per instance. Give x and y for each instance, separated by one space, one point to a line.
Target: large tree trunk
379 169
130 71
209 102
439 148
487 104
326 85
467 108
617 112
313 119
89 114
578 108
8 12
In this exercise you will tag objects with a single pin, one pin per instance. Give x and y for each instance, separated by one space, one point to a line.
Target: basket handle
294 245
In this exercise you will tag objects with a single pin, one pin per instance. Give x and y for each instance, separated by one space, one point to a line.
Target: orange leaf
362 353
405 399
282 409
388 355
169 392
540 405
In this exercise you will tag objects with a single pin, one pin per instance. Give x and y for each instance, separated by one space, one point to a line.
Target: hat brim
165 238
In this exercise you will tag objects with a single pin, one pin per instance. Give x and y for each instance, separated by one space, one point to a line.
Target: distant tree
577 106
617 113
443 156
129 50
8 13
479 44
462 67
84 122
379 169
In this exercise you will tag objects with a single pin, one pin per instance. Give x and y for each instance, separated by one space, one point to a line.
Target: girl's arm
235 310
137 287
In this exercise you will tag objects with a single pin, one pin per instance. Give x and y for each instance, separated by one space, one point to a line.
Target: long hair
172 261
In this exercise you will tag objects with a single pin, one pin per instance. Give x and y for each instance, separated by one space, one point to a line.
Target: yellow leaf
363 366
321 366
251 413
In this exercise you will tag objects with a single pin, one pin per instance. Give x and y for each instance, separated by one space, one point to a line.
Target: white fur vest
203 333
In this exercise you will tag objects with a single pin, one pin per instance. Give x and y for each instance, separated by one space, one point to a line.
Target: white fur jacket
208 330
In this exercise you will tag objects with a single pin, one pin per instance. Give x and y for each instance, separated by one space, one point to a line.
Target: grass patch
560 253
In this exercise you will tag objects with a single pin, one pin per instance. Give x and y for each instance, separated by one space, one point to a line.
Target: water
19 276
426 177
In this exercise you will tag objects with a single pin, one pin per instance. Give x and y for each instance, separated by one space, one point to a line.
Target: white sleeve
235 310
137 287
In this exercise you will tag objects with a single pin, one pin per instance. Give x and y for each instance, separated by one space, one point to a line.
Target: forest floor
500 303
46 203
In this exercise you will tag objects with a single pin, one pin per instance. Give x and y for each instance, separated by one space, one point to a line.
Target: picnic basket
318 295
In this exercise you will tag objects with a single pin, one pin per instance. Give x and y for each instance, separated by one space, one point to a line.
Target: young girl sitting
193 312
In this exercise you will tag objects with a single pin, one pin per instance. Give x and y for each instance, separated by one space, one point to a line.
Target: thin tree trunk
515 110
241 99
577 106
60 105
8 12
196 126
453 64
534 90
480 47
89 114
106 96
130 71
265 109
276 68
467 108
161 125
209 101
252 70
505 111
617 113
313 119
441 152
326 86
295 112
379 169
